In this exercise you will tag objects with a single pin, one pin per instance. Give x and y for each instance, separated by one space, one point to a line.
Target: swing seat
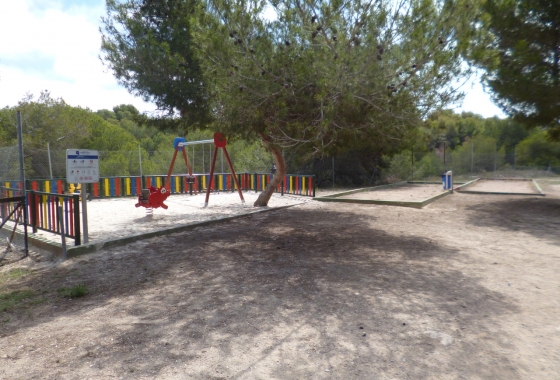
153 197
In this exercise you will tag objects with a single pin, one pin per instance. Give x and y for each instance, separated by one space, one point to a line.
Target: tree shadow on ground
536 216
291 294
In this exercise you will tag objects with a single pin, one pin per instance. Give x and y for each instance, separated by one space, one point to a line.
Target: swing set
154 197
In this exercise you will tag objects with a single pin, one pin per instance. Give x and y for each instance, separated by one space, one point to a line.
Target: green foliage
331 77
75 291
523 67
426 165
455 129
483 155
149 47
327 77
13 274
12 299
400 167
473 146
46 120
538 150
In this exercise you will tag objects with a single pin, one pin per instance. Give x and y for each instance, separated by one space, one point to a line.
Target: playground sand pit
116 218
399 193
503 186
465 288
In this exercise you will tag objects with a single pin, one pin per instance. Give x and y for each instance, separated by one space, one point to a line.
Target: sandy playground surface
503 186
115 218
409 192
465 288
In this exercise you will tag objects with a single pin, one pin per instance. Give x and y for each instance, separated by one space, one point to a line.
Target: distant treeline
120 134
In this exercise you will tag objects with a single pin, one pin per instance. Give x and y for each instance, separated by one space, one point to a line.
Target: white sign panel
82 166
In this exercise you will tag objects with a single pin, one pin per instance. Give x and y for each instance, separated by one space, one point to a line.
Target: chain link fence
342 171
466 165
9 163
49 163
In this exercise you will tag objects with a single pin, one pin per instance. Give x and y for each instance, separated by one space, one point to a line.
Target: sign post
82 166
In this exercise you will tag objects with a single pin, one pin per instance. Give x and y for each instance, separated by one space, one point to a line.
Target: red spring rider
153 197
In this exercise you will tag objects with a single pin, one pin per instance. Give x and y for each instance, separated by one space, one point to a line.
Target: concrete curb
418 204
539 193
56 248
537 186
336 195
458 188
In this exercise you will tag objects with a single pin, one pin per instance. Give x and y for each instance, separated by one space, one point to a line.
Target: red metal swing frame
155 197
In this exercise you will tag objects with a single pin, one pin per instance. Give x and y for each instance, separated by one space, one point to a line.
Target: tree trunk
264 197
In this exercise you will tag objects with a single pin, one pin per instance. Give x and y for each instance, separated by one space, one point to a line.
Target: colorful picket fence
42 208
112 187
43 196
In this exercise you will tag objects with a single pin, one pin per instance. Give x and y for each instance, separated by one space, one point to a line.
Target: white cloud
60 48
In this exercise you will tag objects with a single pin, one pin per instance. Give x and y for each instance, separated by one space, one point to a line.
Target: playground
465 288
115 218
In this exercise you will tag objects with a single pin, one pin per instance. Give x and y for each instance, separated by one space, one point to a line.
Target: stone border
419 204
458 188
536 186
73 251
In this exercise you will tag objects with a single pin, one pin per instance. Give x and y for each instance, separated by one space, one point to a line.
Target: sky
54 45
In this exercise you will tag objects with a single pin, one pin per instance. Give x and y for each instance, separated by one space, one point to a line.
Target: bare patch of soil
466 288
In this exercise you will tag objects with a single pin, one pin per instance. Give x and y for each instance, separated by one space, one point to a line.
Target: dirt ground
409 192
466 288
503 186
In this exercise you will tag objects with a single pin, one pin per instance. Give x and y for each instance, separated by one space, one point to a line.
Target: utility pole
22 177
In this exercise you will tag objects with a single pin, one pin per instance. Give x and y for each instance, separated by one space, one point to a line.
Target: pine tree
149 47
323 77
523 67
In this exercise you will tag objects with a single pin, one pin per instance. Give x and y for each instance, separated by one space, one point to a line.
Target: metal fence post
60 222
412 178
495 157
333 172
140 159
33 211
77 232
50 163
22 177
472 158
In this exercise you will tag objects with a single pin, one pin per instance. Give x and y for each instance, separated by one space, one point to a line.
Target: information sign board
82 166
